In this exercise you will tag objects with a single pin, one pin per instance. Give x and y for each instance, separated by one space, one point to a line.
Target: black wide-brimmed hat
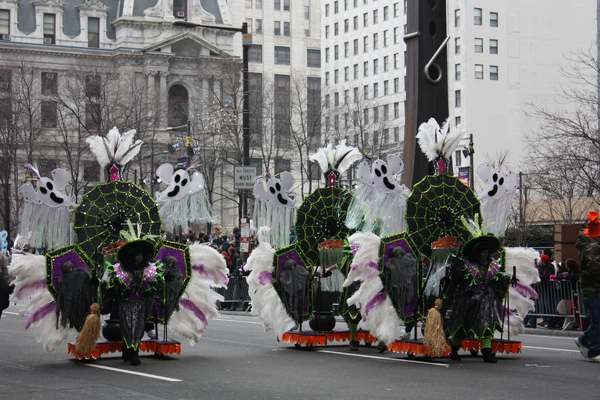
474 246
128 251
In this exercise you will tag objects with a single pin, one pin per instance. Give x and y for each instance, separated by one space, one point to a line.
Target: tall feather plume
438 141
322 156
115 147
345 156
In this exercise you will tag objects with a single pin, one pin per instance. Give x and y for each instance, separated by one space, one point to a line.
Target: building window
49 28
365 20
375 16
178 110
366 115
396 134
375 66
327 10
365 44
494 19
327 78
366 69
91 172
493 46
396 35
386 13
386 62
355 23
277 28
49 83
385 39
282 165
396 61
93 32
286 28
93 86
255 53
457 120
346 98
375 41
478 71
336 29
355 45
457 72
336 7
366 93
346 74
493 72
396 85
457 18
307 12
277 5
336 76
386 112
336 52
386 87
375 90
457 158
313 58
346 49
4 24
346 26
180 8
327 54
49 114
286 5
258 4
248 3
326 31
396 110
457 45
92 116
336 99
355 69
258 26
5 81
457 99
282 55
478 45
477 16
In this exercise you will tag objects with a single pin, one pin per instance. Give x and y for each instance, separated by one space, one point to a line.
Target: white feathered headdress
334 162
438 142
115 147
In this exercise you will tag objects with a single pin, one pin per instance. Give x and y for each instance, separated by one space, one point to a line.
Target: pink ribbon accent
189 305
375 301
40 313
201 269
265 277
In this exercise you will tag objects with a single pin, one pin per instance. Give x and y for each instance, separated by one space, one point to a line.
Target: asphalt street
237 359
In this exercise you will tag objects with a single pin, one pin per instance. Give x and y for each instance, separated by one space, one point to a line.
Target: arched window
178 106
180 8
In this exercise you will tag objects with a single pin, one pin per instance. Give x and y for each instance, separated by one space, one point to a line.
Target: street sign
244 177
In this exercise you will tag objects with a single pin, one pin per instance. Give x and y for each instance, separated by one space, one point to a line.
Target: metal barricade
235 293
558 305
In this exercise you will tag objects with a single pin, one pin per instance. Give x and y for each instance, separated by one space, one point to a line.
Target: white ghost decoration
382 174
276 190
180 184
49 191
498 182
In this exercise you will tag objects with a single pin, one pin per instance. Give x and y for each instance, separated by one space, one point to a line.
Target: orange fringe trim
498 346
150 346
416 348
321 338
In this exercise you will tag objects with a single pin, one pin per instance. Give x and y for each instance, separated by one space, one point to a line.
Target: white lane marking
385 358
237 320
124 371
551 349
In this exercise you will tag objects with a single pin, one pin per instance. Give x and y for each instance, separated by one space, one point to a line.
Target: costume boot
454 355
126 356
135 359
354 345
381 347
488 356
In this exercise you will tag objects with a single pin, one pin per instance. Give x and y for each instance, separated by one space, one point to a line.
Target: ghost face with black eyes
498 182
49 191
382 174
276 190
180 183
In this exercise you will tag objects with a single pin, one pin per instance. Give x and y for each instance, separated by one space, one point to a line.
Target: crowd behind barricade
558 304
236 294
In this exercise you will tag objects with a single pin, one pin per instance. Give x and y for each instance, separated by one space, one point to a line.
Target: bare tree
564 156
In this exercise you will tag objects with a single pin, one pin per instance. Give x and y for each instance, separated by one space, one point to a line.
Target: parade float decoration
185 200
274 208
59 288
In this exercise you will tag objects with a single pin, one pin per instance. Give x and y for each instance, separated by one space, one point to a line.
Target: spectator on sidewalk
588 244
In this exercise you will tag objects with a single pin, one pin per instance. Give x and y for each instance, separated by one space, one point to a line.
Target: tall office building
502 57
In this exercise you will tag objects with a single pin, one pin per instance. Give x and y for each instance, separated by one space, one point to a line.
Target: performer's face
483 255
137 259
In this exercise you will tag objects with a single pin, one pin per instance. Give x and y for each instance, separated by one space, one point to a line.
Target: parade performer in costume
478 286
136 283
